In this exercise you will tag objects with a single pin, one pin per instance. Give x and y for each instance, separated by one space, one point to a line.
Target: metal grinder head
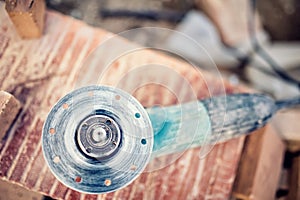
97 139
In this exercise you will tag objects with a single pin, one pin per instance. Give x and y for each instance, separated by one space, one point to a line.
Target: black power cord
287 103
263 54
260 51
273 64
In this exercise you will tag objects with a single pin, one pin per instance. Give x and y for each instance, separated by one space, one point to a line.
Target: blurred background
281 18
249 41
224 28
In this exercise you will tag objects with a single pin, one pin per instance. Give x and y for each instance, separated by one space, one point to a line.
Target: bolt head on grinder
97 139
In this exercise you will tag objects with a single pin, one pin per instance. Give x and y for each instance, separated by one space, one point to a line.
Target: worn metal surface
199 123
39 72
244 113
124 149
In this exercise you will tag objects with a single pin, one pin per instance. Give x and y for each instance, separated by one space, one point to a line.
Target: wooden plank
231 19
260 166
294 183
9 108
287 124
9 191
28 16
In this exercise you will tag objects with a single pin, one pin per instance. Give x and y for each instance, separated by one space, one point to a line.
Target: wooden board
294 179
28 16
287 124
260 166
39 72
9 108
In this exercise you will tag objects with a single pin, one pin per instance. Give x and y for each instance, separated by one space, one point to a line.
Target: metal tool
98 139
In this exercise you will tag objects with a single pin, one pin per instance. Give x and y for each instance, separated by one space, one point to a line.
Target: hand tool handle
209 121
